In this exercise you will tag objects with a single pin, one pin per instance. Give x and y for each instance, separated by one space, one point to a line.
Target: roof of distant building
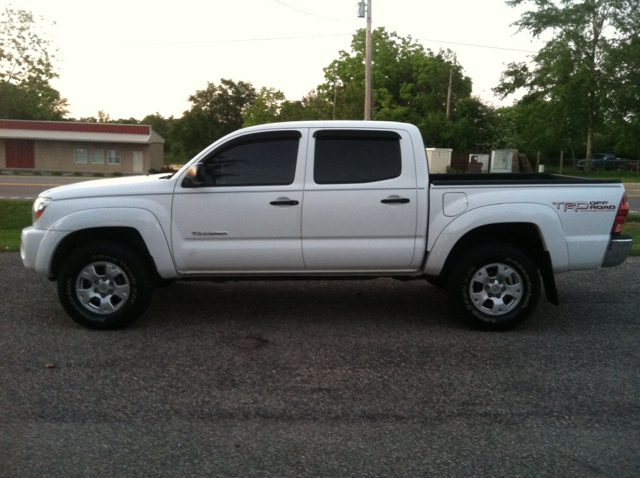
72 131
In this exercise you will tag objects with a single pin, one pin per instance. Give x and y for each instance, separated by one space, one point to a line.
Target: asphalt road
321 379
28 187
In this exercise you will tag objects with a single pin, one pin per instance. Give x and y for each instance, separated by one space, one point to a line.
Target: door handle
284 202
396 201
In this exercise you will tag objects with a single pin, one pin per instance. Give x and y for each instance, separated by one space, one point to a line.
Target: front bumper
30 240
618 250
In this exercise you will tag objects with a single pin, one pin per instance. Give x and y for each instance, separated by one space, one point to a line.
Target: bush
116 174
98 175
56 173
77 173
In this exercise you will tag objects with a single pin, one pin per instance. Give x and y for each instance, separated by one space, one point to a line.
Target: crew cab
323 200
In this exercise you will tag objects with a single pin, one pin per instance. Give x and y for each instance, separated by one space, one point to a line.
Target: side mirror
195 177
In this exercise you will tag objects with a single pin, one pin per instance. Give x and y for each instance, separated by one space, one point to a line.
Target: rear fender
543 217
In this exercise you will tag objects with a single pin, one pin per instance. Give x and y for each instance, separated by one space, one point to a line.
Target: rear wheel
104 286
494 286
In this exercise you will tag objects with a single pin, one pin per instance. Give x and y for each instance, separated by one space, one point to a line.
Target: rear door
360 201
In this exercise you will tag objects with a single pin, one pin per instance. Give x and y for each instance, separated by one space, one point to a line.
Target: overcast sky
137 57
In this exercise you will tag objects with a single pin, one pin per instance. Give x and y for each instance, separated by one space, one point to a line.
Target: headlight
39 206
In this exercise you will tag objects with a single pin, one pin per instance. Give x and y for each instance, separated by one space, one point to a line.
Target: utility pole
368 78
448 114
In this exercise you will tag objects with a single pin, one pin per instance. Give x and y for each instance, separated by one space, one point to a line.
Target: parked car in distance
606 162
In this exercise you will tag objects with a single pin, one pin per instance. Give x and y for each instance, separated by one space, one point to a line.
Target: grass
15 215
625 176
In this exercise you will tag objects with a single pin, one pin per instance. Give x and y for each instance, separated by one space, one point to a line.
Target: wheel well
524 236
123 235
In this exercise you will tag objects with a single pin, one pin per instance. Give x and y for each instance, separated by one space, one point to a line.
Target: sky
138 57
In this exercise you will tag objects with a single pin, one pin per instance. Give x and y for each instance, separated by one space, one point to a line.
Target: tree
265 108
31 101
411 84
26 69
574 71
215 112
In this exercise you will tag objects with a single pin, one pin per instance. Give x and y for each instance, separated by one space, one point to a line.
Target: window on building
259 159
114 156
97 156
80 156
343 156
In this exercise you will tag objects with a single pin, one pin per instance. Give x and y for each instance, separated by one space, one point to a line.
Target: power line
476 45
314 15
242 40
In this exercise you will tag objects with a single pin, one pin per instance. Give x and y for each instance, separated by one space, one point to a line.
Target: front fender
142 220
543 217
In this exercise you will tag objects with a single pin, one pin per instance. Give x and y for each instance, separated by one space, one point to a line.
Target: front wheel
104 286
494 286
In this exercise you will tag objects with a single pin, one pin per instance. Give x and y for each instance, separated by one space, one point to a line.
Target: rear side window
344 157
267 159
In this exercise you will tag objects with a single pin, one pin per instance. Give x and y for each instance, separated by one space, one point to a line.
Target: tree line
579 94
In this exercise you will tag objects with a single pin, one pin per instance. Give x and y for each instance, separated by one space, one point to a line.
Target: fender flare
543 217
142 220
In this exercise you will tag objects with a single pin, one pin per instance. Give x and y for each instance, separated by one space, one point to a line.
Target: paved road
321 379
633 194
28 187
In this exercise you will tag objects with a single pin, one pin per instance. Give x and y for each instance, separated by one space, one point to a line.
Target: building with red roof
84 147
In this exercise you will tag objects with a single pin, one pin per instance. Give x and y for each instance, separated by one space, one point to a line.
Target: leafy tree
31 101
270 106
165 127
265 108
409 82
26 69
216 111
574 71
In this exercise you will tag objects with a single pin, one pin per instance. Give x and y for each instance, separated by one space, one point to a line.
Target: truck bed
473 179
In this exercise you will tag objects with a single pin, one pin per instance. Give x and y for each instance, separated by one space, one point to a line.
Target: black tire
494 286
104 286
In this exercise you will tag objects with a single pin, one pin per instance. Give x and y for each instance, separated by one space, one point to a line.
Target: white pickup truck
323 200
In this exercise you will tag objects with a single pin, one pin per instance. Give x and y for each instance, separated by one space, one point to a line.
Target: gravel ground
321 379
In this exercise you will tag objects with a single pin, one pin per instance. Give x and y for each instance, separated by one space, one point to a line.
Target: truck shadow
267 302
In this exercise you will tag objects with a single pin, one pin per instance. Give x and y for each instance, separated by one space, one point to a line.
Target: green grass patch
625 176
634 228
15 215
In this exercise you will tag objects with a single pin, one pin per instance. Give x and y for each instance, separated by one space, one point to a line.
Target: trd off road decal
590 206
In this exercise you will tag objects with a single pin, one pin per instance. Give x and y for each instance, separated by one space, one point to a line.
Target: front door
19 153
138 161
246 216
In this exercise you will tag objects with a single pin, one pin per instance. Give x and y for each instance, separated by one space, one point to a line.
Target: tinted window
343 157
261 159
